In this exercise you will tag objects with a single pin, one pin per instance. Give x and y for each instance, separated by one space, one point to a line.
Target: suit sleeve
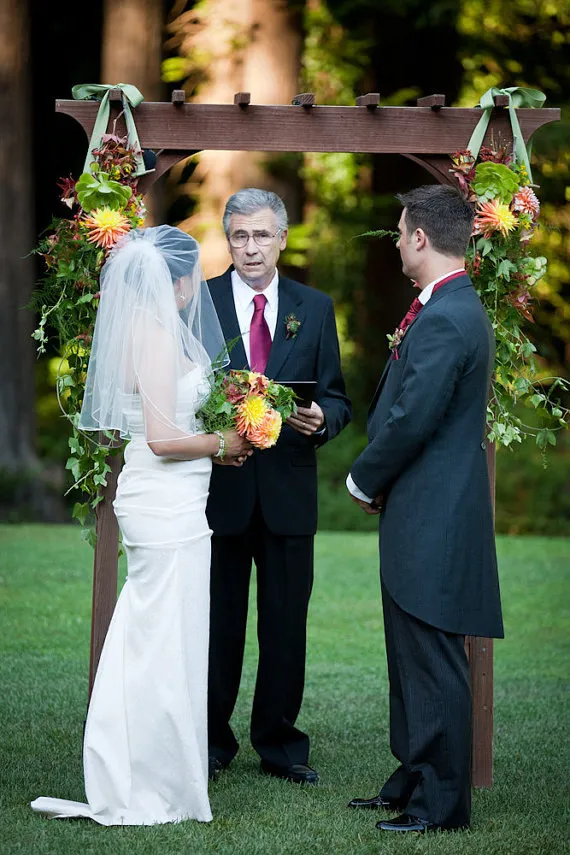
331 391
433 365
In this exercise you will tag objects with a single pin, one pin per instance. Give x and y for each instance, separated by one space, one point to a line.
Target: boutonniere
395 339
292 326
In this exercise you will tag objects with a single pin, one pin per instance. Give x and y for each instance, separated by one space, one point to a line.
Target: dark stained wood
305 99
426 134
396 130
105 567
178 96
480 653
501 100
242 98
116 96
370 100
433 101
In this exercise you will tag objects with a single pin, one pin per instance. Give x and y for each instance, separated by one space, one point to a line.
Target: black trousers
284 580
430 718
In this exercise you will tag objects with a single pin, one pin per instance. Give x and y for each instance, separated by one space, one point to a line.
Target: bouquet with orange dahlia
250 403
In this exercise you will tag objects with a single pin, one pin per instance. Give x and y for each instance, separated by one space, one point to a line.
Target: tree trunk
17 424
131 53
252 46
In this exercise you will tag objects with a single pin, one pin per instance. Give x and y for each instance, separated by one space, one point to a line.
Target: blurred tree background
274 49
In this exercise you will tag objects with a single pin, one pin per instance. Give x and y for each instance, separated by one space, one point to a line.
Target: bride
156 336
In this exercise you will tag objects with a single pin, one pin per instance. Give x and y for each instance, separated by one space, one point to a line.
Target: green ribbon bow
518 97
131 98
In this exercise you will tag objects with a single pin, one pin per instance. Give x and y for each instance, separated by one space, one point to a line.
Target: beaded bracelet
222 449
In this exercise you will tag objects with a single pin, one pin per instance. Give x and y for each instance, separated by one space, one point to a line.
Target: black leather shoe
405 823
215 766
376 803
298 773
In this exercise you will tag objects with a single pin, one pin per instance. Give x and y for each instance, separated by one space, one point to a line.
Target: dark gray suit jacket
283 479
427 455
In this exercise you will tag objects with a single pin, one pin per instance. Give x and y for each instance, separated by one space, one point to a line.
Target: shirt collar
244 294
426 293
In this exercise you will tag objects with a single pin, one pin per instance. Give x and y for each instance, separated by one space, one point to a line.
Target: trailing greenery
45 598
104 208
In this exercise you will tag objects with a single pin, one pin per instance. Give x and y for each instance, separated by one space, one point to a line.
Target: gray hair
250 201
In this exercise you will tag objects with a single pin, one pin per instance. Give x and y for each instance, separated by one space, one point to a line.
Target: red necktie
259 336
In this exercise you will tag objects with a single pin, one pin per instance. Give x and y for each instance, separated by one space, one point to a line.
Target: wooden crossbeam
242 98
433 101
178 96
370 100
501 100
305 99
390 130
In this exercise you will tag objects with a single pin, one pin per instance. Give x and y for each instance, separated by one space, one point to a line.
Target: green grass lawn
45 597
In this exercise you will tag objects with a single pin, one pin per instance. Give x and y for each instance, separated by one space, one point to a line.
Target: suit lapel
281 348
223 299
445 290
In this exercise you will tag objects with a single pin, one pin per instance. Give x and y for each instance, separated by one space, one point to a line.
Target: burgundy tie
259 336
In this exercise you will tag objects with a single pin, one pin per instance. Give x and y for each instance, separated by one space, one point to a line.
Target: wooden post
480 653
105 571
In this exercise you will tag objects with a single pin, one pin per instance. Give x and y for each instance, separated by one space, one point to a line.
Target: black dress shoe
376 803
405 823
215 766
298 773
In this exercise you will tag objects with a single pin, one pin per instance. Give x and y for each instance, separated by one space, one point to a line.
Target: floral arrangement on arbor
104 206
251 404
505 274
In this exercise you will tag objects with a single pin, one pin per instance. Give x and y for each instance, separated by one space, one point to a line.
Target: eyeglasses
240 239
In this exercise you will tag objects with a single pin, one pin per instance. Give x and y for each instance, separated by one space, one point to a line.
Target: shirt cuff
356 491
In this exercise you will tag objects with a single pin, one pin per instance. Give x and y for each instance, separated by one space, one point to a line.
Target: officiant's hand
307 420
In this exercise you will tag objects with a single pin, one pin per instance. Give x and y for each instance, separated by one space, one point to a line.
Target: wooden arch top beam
254 127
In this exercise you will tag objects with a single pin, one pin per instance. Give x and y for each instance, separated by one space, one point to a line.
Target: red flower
233 393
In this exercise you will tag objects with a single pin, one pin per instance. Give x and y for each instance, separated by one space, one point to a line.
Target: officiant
265 513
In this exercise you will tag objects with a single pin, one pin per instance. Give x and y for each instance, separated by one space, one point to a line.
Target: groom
425 471
266 511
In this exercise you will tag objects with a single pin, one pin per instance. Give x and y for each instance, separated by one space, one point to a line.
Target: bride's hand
237 450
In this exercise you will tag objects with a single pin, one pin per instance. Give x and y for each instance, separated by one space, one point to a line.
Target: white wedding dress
145 746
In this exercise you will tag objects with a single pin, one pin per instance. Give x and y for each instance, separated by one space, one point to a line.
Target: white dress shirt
423 297
243 300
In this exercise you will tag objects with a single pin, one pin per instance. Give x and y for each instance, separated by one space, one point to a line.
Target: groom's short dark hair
443 214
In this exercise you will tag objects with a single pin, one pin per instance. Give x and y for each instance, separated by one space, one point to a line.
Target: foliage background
338 49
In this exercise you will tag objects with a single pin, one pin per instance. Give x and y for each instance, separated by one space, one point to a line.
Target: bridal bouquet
250 403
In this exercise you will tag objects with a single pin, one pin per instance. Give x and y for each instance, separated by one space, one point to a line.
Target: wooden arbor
426 134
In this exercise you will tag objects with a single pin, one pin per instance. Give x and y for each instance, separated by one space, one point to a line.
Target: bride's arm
157 381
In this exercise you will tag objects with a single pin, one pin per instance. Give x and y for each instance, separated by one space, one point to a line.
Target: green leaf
80 511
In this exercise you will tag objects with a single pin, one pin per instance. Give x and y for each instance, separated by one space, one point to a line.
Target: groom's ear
420 239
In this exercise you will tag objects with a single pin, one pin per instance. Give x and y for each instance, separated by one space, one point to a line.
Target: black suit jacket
427 454
282 479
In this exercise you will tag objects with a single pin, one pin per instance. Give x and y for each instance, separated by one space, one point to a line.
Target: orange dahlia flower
494 216
267 434
250 414
526 202
105 227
